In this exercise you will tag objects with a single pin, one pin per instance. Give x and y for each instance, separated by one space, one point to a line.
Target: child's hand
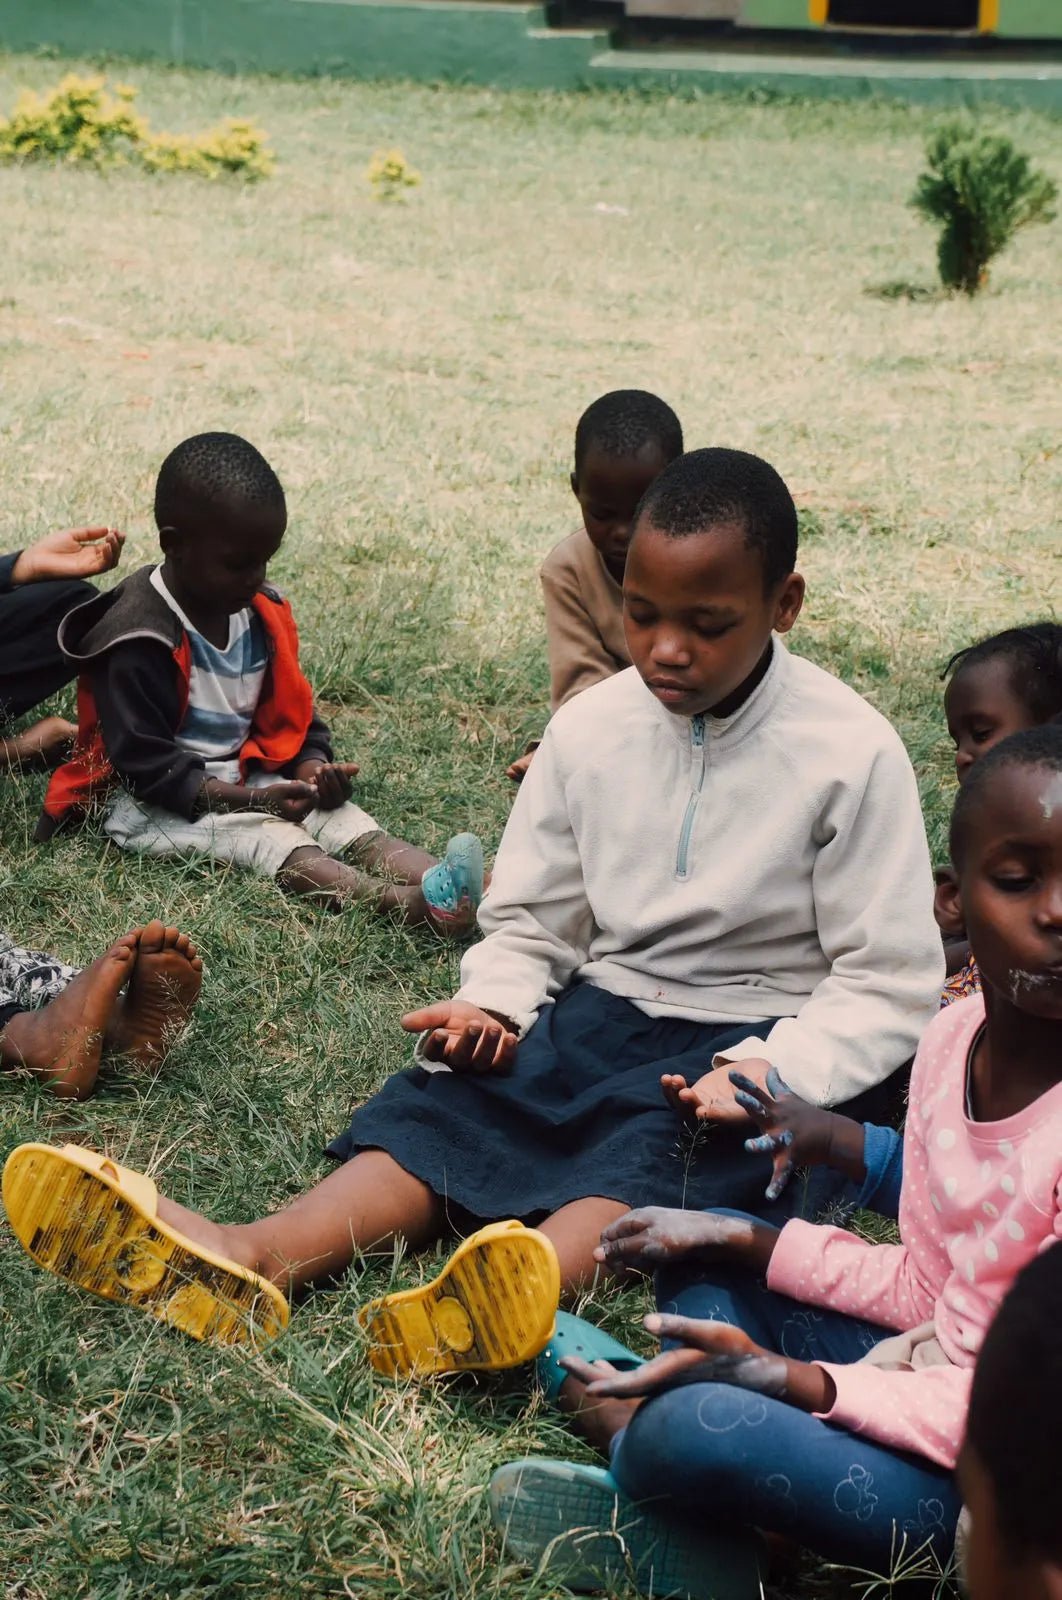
464 1037
71 553
333 781
645 1239
795 1133
710 1352
712 1098
517 770
288 800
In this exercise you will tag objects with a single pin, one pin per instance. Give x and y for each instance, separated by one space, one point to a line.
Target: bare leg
162 991
336 884
364 1205
61 1042
405 863
574 1230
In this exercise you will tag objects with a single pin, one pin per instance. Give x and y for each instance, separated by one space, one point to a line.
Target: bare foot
597 1417
45 744
416 910
232 1242
162 991
61 1042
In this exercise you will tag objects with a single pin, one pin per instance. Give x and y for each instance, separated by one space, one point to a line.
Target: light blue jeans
719 1453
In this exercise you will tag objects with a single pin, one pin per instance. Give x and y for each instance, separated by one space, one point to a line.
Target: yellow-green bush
80 121
233 146
389 173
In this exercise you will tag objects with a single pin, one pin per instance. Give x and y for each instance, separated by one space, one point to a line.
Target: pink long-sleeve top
979 1200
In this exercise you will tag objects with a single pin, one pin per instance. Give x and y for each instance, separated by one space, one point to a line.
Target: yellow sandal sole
492 1306
94 1223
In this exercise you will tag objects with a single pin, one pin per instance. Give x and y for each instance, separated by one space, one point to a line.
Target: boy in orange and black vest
192 705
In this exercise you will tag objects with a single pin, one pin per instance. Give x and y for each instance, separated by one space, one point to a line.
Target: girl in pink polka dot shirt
812 1383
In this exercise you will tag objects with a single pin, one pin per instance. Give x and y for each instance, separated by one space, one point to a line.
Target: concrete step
944 79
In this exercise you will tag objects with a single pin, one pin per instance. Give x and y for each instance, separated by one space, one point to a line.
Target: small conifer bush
982 189
80 121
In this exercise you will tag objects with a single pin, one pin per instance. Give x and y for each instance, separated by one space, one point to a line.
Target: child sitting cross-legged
717 857
622 442
193 702
813 1384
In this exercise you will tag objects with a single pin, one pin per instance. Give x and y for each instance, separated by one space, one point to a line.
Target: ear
947 903
574 481
169 542
787 605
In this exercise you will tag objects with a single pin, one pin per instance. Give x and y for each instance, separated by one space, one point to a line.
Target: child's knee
683 1443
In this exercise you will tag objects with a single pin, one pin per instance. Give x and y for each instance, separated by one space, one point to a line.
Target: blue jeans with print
727 1454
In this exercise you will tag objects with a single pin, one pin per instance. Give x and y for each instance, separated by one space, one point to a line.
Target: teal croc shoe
454 886
574 1525
573 1336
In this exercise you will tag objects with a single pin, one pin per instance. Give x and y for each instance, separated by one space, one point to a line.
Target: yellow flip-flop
492 1306
96 1224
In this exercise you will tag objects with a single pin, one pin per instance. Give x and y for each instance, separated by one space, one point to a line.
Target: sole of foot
61 1043
575 1526
163 989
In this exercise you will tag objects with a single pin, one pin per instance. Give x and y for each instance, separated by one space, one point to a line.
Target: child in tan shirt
622 442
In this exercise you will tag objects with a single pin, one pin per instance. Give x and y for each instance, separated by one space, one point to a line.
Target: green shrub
233 146
389 173
80 121
982 189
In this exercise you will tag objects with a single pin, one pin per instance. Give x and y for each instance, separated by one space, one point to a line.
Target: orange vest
278 731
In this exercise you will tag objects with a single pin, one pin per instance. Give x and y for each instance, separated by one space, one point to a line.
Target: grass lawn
414 371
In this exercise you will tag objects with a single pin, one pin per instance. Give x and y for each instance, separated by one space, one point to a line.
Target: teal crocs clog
574 1336
455 884
575 1525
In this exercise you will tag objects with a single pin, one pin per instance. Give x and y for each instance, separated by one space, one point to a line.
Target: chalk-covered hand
707 1352
70 553
797 1134
654 1235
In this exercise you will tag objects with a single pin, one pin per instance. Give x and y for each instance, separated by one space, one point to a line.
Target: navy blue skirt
582 1113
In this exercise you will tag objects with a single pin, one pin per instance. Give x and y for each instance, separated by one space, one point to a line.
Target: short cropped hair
1031 748
1033 654
213 471
708 487
1015 1416
623 422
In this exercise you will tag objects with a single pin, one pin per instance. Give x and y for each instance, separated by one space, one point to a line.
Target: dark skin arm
710 1352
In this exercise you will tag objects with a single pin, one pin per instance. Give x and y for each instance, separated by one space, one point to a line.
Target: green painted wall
488 44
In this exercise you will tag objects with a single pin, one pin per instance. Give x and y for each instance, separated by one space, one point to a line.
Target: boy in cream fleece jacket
717 856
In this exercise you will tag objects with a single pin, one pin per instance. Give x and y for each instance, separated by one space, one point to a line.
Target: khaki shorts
249 839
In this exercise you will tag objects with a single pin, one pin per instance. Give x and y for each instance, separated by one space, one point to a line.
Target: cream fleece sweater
768 864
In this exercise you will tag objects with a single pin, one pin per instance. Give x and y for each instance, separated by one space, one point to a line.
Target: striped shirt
223 689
